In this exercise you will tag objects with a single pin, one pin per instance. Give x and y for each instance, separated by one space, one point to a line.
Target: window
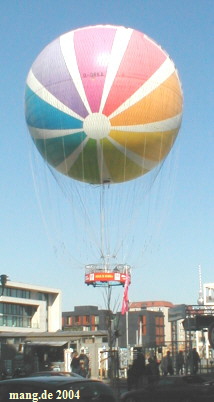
68 320
159 321
16 315
41 296
142 319
77 319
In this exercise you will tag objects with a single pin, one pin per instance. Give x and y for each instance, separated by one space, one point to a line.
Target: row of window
22 293
15 321
81 320
16 309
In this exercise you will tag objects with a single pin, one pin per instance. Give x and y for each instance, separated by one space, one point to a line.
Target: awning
46 343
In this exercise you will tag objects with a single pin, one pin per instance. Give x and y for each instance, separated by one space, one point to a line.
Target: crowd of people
142 372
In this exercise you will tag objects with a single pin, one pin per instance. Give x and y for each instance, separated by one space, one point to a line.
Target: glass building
25 307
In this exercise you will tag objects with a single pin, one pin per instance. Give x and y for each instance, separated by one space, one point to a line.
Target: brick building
85 318
145 328
158 306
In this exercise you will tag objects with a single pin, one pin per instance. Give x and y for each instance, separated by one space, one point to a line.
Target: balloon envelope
103 104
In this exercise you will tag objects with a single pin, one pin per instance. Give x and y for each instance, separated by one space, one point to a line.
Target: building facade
33 352
141 328
27 308
156 306
145 327
85 318
203 345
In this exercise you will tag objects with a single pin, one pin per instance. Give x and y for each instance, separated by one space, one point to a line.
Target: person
166 364
83 364
152 369
195 360
180 362
136 371
75 366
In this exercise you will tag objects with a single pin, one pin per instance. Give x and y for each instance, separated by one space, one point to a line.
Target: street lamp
4 279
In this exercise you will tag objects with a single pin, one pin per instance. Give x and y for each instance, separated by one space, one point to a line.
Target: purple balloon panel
51 71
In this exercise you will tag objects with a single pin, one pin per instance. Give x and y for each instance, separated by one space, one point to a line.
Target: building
191 324
161 306
145 325
208 294
204 342
197 322
30 330
27 308
85 318
141 328
35 351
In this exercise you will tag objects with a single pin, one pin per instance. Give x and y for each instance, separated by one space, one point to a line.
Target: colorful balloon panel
103 104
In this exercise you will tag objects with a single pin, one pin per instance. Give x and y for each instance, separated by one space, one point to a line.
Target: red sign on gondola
105 277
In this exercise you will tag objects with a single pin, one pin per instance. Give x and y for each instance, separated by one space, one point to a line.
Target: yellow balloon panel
151 146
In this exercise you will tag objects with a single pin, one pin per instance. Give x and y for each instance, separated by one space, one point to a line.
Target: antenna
200 296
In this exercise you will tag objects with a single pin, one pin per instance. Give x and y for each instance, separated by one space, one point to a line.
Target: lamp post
4 279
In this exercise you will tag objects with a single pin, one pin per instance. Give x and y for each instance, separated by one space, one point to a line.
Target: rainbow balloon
103 104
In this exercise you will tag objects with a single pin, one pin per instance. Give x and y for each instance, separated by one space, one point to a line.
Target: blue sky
183 199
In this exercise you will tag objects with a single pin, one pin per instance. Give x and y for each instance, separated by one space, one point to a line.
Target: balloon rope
102 220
